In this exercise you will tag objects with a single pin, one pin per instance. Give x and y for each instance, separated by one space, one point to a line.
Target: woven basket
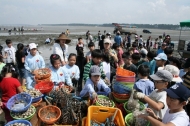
43 73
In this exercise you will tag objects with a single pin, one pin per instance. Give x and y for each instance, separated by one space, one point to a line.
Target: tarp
185 23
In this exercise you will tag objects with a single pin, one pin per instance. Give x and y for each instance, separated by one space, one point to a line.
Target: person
99 36
136 59
33 62
9 53
125 41
101 42
80 44
143 54
168 51
20 58
59 76
72 69
80 62
151 63
135 46
91 47
160 41
157 99
161 60
129 41
96 60
144 85
9 86
186 77
47 41
60 47
128 63
149 43
2 64
106 66
90 38
95 85
119 52
118 39
87 34
67 32
108 35
161 50
155 46
140 41
177 97
176 62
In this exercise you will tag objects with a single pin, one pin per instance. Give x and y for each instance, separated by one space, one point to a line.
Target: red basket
121 96
44 87
126 79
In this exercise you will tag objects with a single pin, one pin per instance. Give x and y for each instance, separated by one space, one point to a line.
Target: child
128 63
1 63
72 69
119 51
175 115
161 60
9 53
157 99
91 47
80 44
106 65
33 62
135 59
96 60
20 58
168 51
144 85
58 75
94 85
135 46
9 86
161 50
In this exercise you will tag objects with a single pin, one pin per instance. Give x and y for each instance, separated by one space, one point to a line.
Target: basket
142 107
49 114
42 73
44 87
124 73
120 100
34 100
26 98
19 121
126 79
121 88
121 96
27 118
36 104
38 81
104 97
100 114
128 117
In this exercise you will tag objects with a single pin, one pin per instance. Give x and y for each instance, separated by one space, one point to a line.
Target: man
9 53
161 50
118 39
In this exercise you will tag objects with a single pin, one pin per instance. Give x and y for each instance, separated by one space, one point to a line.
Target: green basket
27 118
129 116
104 97
120 100
142 107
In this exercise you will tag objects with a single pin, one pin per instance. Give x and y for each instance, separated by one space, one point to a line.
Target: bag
133 104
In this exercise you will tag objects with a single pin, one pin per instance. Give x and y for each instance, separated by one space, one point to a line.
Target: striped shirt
87 70
186 80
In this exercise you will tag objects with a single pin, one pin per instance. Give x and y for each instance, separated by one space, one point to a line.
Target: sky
94 11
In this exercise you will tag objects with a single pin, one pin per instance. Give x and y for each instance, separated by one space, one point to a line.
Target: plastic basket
121 96
104 97
126 79
121 88
42 73
100 114
128 117
34 100
124 73
26 118
19 121
142 107
26 98
49 114
44 87
36 104
38 81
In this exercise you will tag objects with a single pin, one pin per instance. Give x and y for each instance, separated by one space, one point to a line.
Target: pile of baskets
43 74
125 80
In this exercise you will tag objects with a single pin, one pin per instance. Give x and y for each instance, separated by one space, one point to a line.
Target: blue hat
161 56
178 91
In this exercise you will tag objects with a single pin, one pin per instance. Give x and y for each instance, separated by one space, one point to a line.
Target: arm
86 71
157 122
42 62
26 65
105 87
19 89
67 79
77 75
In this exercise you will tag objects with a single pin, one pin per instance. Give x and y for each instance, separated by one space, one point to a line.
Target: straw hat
64 37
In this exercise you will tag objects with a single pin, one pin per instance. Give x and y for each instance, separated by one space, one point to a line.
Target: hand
151 113
94 95
34 72
138 95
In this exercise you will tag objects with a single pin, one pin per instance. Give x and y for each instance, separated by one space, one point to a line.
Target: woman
60 47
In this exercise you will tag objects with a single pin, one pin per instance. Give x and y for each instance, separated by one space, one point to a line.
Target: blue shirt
160 51
34 62
89 88
145 86
118 39
60 75
152 65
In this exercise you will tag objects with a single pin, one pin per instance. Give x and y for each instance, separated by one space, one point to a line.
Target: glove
138 95
94 95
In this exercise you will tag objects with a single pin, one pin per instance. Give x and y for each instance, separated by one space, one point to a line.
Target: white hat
107 41
174 71
32 46
144 51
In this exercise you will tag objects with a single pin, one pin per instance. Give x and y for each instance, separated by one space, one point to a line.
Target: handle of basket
102 109
47 101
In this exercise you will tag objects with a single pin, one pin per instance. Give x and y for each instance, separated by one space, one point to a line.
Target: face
95 78
174 104
106 45
91 48
80 41
57 64
135 61
9 45
33 51
159 84
96 60
163 47
62 42
72 60
159 63
127 60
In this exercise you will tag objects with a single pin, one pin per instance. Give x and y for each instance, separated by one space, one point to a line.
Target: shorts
21 72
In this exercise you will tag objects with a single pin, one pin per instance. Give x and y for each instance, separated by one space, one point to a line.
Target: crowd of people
162 80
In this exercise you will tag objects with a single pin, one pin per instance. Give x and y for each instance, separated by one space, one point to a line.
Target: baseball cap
178 91
187 63
107 41
32 45
144 51
161 56
162 75
95 70
174 71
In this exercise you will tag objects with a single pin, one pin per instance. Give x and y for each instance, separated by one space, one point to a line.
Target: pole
180 33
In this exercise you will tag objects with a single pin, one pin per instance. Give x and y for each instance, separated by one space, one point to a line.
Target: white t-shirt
159 97
106 69
178 119
141 40
10 54
88 54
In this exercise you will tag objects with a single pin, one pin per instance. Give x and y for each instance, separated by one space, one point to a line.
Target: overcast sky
93 11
